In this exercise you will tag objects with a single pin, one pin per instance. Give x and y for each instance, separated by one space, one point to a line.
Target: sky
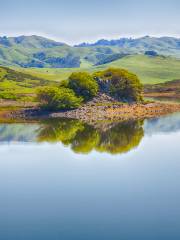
75 21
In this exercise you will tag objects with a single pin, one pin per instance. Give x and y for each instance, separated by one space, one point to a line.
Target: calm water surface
66 180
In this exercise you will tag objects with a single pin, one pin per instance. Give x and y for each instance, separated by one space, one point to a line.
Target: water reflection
83 138
166 124
50 192
18 132
109 137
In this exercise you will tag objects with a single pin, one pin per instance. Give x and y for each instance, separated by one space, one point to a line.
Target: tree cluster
82 87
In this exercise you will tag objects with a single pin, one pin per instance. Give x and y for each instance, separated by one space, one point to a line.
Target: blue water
51 191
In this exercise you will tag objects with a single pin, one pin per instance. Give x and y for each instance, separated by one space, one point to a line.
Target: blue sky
78 20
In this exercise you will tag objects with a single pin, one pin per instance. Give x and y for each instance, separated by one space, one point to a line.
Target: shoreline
163 94
92 112
124 112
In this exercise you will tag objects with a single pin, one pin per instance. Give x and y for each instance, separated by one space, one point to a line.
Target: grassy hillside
149 69
21 83
163 45
35 51
16 85
170 89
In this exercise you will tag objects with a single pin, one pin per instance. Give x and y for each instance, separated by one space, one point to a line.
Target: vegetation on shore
83 84
54 98
23 90
21 84
81 87
120 84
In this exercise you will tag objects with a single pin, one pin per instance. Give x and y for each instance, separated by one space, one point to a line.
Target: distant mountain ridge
37 51
145 41
29 42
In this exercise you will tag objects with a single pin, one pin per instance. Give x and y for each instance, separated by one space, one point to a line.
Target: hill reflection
107 137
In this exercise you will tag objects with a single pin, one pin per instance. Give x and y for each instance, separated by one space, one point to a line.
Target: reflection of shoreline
166 124
83 138
103 136
18 132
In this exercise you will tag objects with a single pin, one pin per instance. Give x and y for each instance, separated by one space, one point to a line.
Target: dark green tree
121 84
54 98
83 85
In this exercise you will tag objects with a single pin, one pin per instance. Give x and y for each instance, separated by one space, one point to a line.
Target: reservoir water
64 179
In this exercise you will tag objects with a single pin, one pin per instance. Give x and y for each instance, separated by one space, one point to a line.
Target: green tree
54 98
121 84
83 85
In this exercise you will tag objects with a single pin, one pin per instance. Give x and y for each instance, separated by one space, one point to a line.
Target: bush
120 84
151 53
54 98
8 95
83 85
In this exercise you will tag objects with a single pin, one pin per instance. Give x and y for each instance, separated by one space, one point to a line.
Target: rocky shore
102 108
133 111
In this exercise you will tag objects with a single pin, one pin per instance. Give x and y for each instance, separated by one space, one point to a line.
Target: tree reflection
121 138
85 141
83 138
62 130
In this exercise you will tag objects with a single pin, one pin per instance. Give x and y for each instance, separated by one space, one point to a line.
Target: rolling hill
33 61
21 83
36 51
15 85
163 45
149 69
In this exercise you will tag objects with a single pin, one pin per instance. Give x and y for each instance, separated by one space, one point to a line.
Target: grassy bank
170 89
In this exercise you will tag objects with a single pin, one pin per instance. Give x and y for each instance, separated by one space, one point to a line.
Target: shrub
120 84
151 53
83 85
8 95
54 98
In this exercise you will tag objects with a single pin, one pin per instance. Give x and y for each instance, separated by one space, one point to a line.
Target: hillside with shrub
170 89
16 85
149 69
81 87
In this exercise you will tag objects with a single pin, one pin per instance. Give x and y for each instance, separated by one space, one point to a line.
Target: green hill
163 45
149 69
16 85
21 83
36 51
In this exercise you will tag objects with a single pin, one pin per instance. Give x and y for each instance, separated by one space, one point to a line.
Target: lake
64 179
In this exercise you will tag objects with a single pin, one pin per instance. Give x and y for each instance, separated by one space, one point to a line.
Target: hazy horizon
78 21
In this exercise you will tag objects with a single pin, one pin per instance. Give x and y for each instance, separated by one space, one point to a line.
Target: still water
64 179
